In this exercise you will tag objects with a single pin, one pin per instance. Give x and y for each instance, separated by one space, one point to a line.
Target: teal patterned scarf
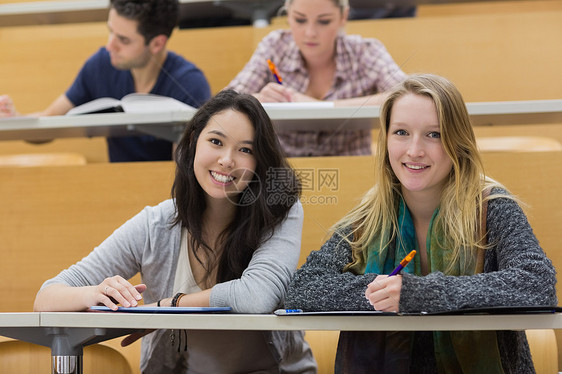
455 351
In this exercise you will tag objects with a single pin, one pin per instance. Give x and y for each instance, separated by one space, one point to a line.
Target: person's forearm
61 298
58 107
199 299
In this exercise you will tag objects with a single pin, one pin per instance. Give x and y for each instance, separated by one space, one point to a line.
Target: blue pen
403 263
281 312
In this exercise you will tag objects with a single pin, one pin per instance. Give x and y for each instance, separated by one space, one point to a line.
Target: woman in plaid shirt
317 61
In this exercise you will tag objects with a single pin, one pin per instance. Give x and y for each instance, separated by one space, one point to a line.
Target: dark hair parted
155 17
273 189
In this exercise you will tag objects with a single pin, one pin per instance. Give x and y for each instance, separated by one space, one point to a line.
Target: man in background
134 60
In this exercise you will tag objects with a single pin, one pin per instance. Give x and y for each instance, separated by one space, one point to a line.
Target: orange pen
274 71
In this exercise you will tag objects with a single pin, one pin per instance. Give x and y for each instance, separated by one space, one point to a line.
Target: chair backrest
518 144
542 343
544 350
42 159
324 345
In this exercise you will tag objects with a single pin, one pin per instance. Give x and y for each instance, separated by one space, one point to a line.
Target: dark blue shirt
178 78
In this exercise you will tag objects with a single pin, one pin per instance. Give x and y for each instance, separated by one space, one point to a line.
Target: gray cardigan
148 244
516 272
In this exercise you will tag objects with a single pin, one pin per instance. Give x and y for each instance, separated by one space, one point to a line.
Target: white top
213 351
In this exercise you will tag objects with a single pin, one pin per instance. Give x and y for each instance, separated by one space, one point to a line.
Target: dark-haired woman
229 237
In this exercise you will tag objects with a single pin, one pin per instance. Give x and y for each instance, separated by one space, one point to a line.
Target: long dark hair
262 205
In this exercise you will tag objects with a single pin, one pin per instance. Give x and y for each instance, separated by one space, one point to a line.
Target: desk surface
496 113
169 125
20 319
72 11
67 333
272 322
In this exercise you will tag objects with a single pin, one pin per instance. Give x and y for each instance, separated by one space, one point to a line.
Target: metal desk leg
66 343
66 364
67 349
67 346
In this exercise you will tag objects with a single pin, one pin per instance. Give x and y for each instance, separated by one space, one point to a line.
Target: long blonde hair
461 200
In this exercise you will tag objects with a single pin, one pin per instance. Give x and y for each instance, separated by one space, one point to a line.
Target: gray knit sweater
516 272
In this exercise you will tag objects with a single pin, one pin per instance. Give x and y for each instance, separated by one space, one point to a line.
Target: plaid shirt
363 67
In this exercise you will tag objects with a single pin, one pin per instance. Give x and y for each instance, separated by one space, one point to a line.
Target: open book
132 103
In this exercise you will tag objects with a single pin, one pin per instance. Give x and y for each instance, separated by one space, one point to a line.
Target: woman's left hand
274 93
384 293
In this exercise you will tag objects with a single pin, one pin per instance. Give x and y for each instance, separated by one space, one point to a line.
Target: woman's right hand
274 93
115 290
384 293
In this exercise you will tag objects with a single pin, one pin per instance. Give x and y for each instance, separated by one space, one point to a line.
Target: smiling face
125 45
224 163
415 150
315 25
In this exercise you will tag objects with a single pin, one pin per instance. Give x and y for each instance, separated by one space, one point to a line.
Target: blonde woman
317 61
431 195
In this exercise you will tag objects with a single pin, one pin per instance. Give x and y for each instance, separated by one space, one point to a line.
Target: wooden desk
64 11
67 333
20 320
495 113
25 12
170 125
166 125
324 322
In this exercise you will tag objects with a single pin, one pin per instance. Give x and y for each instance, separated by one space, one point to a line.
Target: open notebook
539 309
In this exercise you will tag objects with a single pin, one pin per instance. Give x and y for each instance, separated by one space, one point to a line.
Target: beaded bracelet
176 299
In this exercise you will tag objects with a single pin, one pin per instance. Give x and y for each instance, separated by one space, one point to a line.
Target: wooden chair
542 343
42 159
324 345
544 350
518 144
17 357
